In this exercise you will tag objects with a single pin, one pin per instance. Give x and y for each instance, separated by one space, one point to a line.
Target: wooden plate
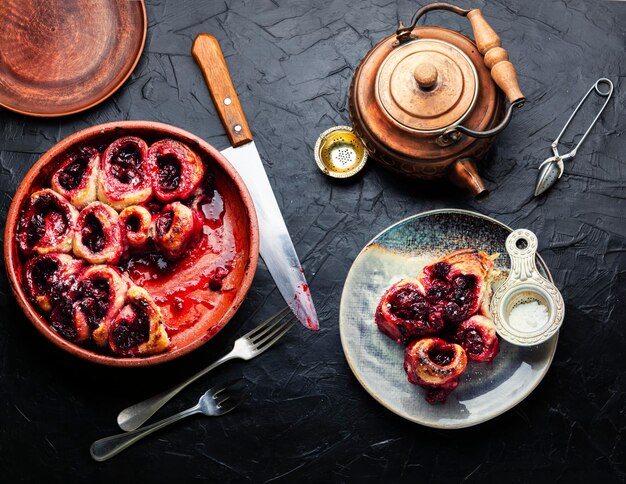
60 57
240 235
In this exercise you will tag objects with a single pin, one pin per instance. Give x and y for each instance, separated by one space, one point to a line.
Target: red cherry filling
169 173
93 301
441 355
409 304
164 223
93 233
473 342
46 224
62 322
216 280
99 307
43 272
454 298
478 337
133 223
133 329
405 314
126 165
72 174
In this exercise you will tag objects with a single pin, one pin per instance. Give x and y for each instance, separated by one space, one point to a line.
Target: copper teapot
427 102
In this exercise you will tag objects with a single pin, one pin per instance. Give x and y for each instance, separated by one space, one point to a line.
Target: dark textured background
308 419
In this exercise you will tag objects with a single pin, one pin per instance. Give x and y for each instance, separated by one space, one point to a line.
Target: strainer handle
488 42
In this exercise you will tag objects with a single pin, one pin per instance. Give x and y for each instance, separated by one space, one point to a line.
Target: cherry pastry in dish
435 364
98 238
459 283
100 293
115 219
77 177
136 221
175 228
47 224
176 170
442 315
138 327
125 178
478 338
49 277
405 314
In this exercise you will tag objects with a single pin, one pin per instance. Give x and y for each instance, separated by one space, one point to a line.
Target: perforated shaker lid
339 152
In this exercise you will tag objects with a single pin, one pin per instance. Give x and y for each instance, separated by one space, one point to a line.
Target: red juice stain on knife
303 306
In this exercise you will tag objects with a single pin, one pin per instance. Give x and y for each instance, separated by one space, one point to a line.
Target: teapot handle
489 45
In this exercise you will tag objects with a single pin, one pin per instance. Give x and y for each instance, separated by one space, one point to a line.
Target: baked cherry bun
478 338
435 364
138 328
98 237
405 314
46 224
49 277
124 177
100 294
175 228
459 284
136 221
62 322
175 169
77 177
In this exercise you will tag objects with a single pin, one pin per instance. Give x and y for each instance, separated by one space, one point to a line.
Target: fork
217 401
246 347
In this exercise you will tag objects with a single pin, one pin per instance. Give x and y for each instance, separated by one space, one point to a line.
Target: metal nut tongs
524 285
552 168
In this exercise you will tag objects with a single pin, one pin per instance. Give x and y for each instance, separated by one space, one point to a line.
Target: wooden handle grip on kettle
496 58
207 53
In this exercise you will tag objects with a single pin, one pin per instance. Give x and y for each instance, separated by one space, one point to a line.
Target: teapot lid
426 85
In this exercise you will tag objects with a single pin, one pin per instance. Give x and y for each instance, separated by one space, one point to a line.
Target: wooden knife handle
207 53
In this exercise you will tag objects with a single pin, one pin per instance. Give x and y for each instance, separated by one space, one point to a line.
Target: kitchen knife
275 244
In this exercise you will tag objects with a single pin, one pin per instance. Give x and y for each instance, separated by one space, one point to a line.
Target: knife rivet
227 101
237 128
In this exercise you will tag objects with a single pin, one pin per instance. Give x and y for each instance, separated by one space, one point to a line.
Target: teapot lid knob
426 75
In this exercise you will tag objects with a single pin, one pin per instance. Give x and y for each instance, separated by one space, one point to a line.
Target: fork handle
108 447
134 416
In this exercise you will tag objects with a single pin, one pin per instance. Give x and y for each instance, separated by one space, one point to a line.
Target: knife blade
276 247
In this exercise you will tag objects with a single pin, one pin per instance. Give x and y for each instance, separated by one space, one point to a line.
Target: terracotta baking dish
239 216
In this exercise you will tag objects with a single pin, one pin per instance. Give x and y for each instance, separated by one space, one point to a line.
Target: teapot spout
463 173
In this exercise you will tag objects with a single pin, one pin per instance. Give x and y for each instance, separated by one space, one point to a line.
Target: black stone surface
308 419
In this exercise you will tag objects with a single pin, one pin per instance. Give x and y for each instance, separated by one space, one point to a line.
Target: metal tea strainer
339 152
552 168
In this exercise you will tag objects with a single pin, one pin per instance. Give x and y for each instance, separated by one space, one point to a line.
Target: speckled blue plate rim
381 400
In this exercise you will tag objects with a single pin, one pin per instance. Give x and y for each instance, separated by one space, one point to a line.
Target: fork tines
272 329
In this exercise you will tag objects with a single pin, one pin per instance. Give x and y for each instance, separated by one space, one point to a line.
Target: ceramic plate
402 250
